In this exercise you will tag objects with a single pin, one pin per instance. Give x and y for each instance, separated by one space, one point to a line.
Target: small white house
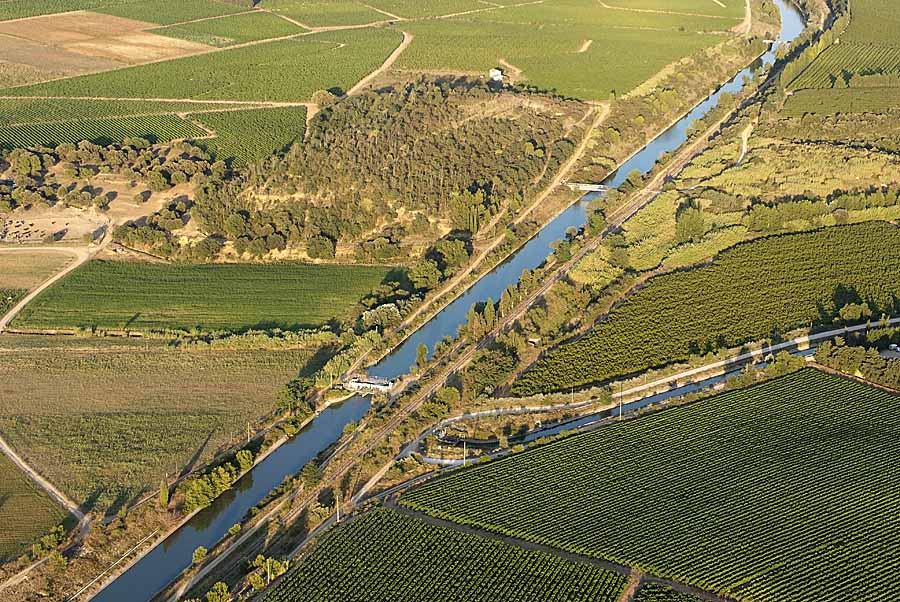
496 75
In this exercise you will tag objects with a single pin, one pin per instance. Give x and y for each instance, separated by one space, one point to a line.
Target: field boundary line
385 13
202 19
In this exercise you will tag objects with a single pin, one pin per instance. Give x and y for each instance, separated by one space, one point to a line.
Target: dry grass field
105 419
27 270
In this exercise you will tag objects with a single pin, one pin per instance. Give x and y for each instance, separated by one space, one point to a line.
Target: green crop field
412 9
325 13
874 22
653 592
244 136
157 128
26 512
28 111
20 9
751 291
829 102
385 555
286 70
850 58
105 419
142 296
784 491
573 46
232 30
167 12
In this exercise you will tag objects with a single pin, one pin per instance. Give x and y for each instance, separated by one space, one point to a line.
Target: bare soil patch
40 62
75 43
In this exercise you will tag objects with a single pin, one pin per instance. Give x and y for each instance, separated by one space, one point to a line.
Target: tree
425 275
689 225
199 554
490 315
163 495
244 459
311 474
421 355
219 593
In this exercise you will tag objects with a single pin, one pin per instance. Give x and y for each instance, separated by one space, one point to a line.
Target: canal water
164 563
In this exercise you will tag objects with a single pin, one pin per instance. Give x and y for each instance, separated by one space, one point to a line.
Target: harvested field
109 40
104 419
27 270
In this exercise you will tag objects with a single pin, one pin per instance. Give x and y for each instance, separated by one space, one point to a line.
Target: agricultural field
859 72
326 13
232 30
105 419
573 47
167 12
22 270
27 513
287 70
753 291
146 296
412 9
20 9
856 100
252 135
157 128
385 555
783 491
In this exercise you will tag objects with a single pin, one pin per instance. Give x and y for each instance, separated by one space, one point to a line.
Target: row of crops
162 128
141 296
245 136
26 512
28 111
388 556
827 102
754 291
784 491
841 60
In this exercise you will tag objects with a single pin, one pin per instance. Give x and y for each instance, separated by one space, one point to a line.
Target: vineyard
29 111
167 12
326 13
874 22
145 296
545 41
9 297
105 418
245 136
753 291
286 70
232 30
27 513
828 102
829 69
385 555
158 128
784 491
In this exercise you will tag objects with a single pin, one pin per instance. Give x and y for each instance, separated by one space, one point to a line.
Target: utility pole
337 495
464 452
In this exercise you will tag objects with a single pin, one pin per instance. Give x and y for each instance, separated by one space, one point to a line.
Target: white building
496 75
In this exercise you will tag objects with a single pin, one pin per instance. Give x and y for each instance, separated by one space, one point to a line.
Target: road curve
82 254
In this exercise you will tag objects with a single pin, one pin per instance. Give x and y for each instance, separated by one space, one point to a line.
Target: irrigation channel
161 565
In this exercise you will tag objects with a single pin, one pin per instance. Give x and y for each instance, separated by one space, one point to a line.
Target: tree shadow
196 457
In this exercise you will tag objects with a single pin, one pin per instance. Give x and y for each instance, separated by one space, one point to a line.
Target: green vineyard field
160 128
244 136
167 12
326 13
830 102
232 30
784 491
749 293
851 58
388 556
140 296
